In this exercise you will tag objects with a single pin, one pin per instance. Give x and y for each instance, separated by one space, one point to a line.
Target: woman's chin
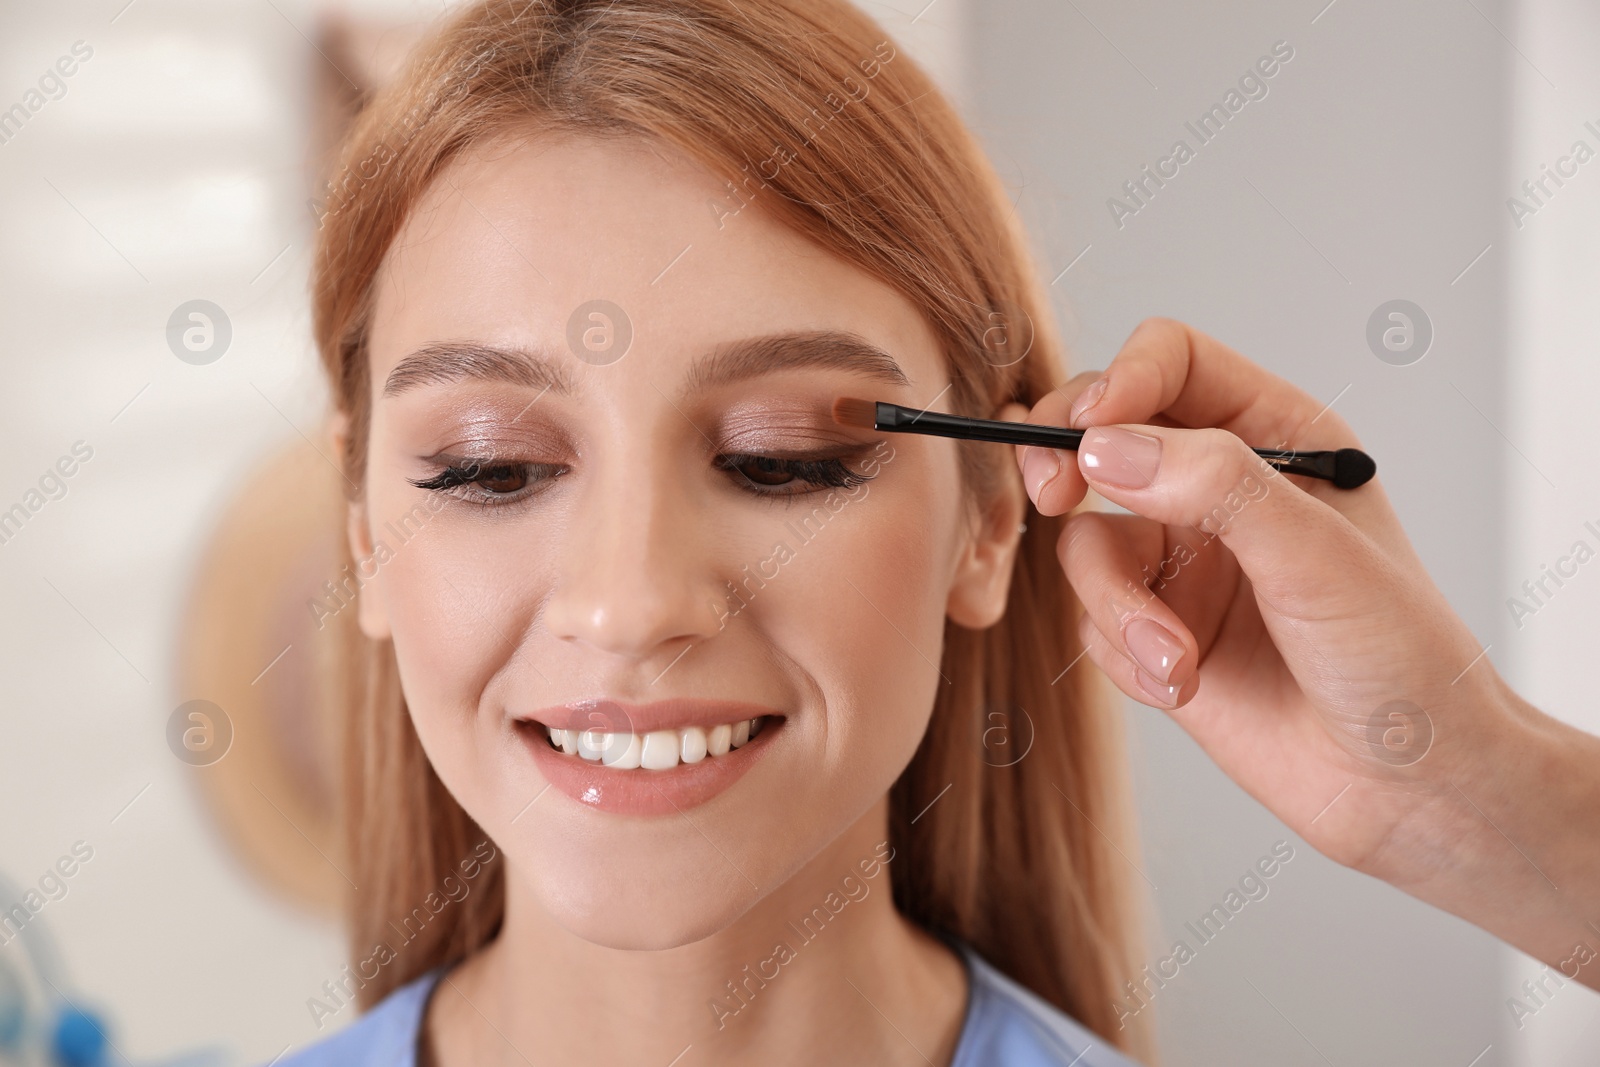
646 922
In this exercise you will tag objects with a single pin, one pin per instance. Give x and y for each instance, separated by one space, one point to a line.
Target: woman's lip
618 716
641 791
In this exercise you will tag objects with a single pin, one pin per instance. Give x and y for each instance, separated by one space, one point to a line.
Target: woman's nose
637 573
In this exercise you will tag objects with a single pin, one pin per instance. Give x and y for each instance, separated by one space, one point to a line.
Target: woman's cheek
448 609
862 612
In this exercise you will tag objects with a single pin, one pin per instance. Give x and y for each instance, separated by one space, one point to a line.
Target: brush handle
1344 467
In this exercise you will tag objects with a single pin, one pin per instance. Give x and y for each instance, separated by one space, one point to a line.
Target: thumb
1294 548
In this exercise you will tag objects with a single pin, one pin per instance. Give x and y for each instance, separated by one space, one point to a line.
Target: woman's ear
371 614
983 572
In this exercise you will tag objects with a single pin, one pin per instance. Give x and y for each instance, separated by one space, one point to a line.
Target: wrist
1506 830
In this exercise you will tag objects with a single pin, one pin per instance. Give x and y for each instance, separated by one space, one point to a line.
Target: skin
607 581
1296 620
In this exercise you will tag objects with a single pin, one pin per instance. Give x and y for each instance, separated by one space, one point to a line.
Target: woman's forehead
516 241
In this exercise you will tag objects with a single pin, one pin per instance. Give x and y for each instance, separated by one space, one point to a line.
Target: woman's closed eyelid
805 420
796 445
526 428
794 432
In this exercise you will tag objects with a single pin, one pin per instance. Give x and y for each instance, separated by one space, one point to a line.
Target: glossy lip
641 791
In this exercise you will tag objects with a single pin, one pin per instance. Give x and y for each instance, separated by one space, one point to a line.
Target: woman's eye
491 481
494 481
504 478
764 474
764 470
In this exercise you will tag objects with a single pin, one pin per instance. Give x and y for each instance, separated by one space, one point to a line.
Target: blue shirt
1005 1026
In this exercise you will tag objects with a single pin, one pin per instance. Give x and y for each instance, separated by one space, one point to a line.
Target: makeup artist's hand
1292 630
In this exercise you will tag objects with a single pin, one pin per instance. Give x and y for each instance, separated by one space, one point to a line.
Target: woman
698 728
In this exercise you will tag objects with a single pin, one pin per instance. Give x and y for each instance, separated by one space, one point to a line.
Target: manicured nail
1086 400
1161 693
1120 457
1154 647
1039 468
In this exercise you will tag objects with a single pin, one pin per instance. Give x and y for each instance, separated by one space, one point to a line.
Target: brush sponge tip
1352 467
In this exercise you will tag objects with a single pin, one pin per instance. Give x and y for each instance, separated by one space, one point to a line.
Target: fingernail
1120 457
1039 468
1086 400
1165 695
1154 647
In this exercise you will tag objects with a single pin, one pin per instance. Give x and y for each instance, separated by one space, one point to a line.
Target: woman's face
638 517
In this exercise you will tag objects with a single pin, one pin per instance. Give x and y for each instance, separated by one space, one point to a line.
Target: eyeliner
1346 468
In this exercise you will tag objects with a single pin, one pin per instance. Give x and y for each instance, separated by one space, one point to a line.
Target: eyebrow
455 361
825 349
450 362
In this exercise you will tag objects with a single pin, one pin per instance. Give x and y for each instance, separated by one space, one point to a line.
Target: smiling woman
562 620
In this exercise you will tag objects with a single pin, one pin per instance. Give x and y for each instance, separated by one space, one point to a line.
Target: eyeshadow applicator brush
1346 468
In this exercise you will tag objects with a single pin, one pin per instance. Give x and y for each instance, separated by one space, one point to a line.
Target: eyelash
452 478
822 473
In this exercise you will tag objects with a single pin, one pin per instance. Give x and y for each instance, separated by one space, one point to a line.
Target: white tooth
741 732
718 739
692 748
592 743
660 750
624 752
568 740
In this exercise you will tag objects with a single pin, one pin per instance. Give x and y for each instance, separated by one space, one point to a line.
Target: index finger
1169 368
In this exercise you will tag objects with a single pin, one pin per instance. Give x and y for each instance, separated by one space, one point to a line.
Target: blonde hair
807 110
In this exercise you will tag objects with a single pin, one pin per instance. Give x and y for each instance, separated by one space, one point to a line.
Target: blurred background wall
1552 382
175 162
